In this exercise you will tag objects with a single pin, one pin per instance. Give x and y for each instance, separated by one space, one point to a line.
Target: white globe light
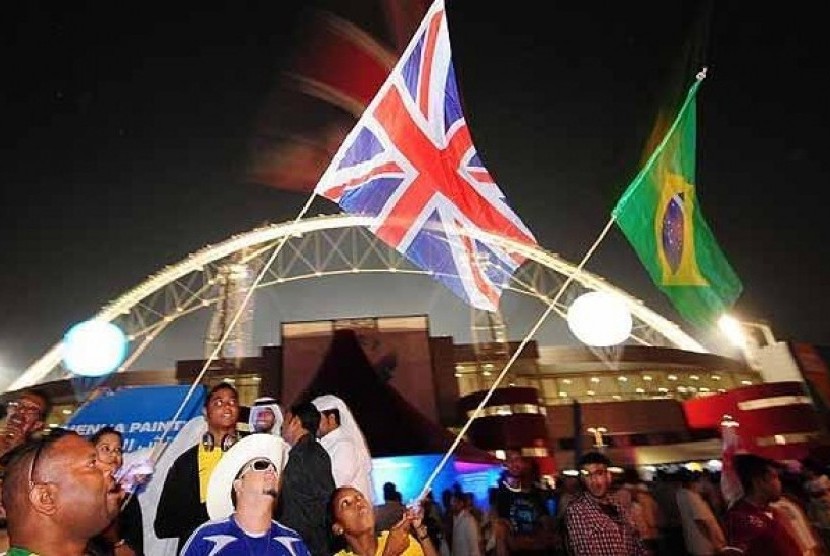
599 319
94 348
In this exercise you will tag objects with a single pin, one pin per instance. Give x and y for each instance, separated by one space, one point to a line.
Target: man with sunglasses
57 496
596 523
242 495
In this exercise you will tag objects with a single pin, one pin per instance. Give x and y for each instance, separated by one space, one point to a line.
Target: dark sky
124 130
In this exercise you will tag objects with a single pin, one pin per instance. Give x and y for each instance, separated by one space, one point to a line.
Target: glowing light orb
94 348
599 319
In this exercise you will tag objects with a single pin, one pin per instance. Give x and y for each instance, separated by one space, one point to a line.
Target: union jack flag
411 164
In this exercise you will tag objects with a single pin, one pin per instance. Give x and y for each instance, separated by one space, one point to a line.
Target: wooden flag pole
513 358
214 354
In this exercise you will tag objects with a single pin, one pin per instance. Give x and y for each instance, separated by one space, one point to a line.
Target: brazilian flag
660 216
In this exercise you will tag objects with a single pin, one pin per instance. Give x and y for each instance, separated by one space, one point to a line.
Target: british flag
411 164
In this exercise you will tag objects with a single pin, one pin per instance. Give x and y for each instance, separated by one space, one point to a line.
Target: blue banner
140 413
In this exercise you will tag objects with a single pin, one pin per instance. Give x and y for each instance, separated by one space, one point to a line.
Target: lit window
622 379
594 379
591 393
647 378
672 377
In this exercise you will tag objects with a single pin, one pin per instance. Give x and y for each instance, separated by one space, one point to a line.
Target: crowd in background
302 480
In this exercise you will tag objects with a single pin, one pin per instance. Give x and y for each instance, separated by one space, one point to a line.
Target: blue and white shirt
224 537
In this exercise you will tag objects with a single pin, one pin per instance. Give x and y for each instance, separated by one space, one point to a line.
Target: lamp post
598 440
736 332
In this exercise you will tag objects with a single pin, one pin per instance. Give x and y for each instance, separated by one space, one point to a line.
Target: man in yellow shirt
181 508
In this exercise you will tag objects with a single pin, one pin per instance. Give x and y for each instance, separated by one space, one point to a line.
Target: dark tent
391 425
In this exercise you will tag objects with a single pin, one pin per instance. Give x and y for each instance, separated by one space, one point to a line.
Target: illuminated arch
189 285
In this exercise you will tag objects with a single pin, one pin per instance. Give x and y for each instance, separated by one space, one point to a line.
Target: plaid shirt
601 530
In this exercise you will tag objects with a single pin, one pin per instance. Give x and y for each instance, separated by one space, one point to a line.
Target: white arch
38 370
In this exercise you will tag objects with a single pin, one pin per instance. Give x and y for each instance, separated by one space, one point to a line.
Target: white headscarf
350 429
271 404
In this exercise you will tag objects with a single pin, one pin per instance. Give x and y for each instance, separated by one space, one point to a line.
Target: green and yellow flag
660 216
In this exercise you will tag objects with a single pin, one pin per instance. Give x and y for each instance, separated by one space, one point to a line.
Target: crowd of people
299 484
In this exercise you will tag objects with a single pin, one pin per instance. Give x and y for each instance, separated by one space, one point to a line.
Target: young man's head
759 477
389 491
301 419
596 478
54 488
457 502
222 409
515 464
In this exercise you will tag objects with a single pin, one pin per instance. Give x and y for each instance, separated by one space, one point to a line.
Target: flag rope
160 446
513 358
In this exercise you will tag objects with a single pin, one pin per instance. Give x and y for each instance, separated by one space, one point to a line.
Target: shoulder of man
580 505
188 458
284 530
209 528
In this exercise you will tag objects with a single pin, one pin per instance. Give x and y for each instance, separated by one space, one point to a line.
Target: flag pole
701 75
514 357
214 354
638 179
160 446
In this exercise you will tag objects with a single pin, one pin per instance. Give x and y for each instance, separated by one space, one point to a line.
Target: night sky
124 131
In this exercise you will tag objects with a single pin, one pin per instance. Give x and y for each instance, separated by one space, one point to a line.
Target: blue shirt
225 538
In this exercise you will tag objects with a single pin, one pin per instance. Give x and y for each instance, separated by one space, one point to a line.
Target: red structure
776 420
513 418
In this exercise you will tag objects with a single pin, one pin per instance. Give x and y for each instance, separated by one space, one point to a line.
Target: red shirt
758 531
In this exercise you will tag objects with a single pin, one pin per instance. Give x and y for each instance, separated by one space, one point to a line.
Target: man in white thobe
340 435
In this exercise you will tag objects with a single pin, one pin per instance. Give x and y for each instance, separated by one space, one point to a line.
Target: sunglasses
259 464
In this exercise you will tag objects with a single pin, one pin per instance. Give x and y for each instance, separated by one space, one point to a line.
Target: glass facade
562 387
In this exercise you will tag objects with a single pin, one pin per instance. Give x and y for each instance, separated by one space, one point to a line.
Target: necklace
511 488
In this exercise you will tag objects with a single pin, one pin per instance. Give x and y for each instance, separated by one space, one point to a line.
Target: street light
598 432
599 319
736 331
